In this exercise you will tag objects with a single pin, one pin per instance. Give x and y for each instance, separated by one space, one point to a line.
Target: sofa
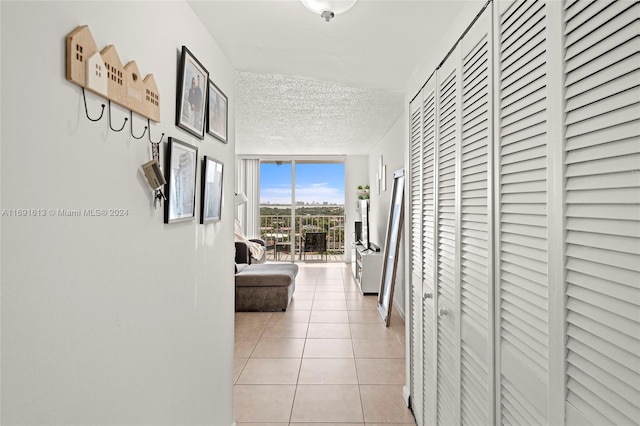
263 286
243 254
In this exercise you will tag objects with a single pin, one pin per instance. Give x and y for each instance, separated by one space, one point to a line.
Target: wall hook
86 111
131 124
123 124
149 127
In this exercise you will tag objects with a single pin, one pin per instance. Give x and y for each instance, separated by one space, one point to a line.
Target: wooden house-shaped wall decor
135 87
80 47
151 98
115 75
96 75
103 73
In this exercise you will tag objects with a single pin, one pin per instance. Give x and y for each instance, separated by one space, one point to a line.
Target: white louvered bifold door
476 321
602 212
428 259
415 292
448 128
522 275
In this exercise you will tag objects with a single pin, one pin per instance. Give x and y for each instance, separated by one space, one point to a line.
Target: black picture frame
391 248
180 169
211 190
191 94
217 113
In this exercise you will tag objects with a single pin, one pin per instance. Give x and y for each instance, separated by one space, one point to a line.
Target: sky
314 183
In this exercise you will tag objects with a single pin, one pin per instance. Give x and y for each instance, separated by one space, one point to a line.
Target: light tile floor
327 360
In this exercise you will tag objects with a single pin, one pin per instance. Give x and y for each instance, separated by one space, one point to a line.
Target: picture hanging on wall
217 113
181 166
211 197
191 94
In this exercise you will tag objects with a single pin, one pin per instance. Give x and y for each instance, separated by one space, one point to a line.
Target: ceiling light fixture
328 8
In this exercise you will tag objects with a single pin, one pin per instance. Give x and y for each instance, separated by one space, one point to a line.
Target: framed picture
211 196
191 94
182 162
217 113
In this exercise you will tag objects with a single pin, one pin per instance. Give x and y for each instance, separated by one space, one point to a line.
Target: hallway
328 359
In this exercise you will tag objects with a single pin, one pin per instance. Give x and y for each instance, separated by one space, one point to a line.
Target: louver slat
602 158
522 222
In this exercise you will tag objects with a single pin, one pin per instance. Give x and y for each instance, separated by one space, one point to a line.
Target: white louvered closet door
476 286
602 212
429 369
522 236
415 293
447 290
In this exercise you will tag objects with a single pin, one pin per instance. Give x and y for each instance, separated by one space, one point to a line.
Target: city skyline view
316 183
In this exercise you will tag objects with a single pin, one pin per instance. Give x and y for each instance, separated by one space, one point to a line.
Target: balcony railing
276 231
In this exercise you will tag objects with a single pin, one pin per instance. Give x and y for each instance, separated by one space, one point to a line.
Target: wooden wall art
102 72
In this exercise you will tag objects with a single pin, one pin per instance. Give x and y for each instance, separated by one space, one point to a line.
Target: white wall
391 148
356 173
107 320
436 51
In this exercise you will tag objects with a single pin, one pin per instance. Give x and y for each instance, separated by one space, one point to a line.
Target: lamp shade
239 199
334 7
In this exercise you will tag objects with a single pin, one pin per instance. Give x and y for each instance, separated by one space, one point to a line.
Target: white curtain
248 181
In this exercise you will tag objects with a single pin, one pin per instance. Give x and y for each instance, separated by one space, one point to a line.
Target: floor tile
238 365
290 316
304 295
330 288
391 424
328 331
371 331
328 348
329 305
327 424
249 330
352 367
332 371
381 371
270 371
327 403
294 330
329 316
377 348
263 424
263 403
244 347
368 304
299 305
252 317
305 287
384 404
365 317
278 348
329 295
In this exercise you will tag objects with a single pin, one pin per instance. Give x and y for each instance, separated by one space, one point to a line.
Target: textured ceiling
306 86
288 115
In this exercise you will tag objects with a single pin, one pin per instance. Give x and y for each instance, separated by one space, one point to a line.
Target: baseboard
406 394
400 311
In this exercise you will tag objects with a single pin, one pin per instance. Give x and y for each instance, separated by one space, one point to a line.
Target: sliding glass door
302 210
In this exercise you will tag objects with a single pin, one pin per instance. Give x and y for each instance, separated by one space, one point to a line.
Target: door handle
427 296
442 312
